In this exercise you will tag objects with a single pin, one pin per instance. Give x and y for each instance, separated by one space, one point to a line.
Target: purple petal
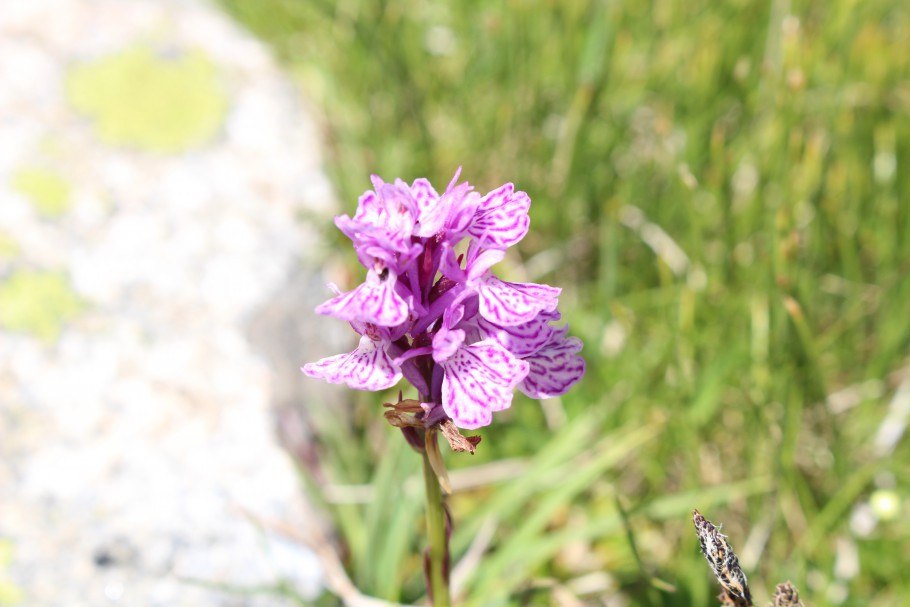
399 206
368 367
521 340
446 342
389 212
479 380
432 210
374 219
483 262
462 210
424 193
449 266
554 368
452 316
369 208
377 181
502 218
513 303
375 301
389 243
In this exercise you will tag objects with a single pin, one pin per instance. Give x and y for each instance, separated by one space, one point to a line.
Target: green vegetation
37 303
48 191
721 190
137 98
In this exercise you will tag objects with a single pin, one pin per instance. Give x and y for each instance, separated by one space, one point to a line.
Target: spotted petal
521 340
369 367
513 303
502 218
554 368
431 209
375 301
446 343
369 209
479 380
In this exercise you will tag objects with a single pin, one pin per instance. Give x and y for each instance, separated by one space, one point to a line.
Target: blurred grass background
721 190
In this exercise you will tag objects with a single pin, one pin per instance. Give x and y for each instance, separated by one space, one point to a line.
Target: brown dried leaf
408 405
402 420
457 441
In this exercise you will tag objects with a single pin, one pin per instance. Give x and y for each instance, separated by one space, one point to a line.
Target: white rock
139 448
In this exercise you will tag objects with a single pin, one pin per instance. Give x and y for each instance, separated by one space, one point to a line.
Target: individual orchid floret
431 210
447 341
368 367
379 220
502 218
478 379
375 302
513 303
503 303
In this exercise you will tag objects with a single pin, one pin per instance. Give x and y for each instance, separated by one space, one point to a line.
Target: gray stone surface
137 442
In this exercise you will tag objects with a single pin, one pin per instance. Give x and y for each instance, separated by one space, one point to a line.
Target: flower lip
375 301
368 367
479 380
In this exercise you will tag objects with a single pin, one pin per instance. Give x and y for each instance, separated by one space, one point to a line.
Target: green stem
438 576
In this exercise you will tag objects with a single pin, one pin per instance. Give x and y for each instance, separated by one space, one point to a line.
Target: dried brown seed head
723 562
785 595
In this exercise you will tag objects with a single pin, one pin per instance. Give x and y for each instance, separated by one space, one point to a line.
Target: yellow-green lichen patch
10 593
48 191
137 98
9 248
37 303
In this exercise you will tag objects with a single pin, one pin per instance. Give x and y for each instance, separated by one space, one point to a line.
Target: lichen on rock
37 303
48 191
142 99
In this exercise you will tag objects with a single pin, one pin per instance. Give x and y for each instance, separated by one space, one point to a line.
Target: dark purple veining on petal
502 218
554 368
478 381
521 340
508 303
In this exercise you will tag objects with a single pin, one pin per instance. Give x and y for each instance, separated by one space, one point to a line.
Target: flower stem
437 554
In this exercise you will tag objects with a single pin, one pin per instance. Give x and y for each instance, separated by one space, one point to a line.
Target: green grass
772 149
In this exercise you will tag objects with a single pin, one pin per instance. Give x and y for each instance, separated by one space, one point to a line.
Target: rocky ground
155 295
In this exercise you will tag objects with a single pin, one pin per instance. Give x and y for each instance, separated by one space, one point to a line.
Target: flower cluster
460 335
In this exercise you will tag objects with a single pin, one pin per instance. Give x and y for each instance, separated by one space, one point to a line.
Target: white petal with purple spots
446 342
432 211
375 301
369 367
502 218
554 368
513 303
479 380
521 340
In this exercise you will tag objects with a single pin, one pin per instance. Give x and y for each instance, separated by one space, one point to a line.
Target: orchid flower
462 336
